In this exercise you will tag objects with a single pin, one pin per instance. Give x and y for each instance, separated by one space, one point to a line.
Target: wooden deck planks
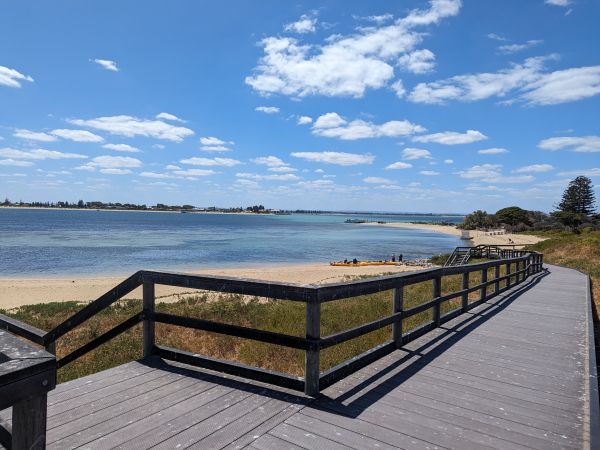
507 375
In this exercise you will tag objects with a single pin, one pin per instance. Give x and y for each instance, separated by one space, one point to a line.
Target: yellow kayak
365 263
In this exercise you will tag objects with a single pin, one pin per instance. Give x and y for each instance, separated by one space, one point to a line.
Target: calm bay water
53 243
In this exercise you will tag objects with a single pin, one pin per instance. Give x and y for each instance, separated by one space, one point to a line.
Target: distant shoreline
478 237
44 208
340 213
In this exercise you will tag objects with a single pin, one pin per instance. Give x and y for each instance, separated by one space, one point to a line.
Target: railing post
465 296
519 273
148 305
437 292
51 348
29 423
484 277
397 307
311 361
497 276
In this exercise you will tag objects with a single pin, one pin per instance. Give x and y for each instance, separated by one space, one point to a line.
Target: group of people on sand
394 259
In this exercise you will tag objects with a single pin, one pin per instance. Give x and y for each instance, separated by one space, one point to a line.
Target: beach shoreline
16 292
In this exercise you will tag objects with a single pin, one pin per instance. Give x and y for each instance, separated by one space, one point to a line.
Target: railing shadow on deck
370 390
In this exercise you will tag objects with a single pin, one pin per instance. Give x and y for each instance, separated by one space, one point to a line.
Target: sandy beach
479 237
16 292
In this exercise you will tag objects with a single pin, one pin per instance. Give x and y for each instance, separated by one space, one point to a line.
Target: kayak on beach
364 263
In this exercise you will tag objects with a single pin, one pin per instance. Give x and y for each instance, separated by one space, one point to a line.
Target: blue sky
440 106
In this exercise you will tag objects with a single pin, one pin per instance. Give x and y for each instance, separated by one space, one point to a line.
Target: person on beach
355 261
400 257
393 257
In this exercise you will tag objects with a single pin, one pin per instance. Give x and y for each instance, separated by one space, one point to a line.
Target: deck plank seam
480 413
401 406
125 424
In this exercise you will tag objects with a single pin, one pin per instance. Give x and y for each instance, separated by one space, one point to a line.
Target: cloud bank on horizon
374 107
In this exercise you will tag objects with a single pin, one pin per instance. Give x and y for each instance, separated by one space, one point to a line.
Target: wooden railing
461 255
313 296
27 374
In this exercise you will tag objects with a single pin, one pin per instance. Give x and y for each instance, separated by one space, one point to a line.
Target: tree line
257 209
575 211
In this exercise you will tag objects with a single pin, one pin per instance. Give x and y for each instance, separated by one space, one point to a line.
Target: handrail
526 264
27 374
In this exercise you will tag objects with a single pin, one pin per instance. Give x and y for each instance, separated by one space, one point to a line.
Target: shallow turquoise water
52 242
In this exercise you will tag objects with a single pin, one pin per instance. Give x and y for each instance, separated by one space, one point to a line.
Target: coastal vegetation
574 212
94 205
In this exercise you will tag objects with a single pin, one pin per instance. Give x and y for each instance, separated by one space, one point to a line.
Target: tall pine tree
579 197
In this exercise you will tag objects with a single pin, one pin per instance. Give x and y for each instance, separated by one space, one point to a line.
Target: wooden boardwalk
512 373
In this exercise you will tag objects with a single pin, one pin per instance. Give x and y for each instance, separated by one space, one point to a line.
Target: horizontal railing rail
518 267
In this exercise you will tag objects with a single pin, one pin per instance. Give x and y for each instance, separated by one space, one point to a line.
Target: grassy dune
281 316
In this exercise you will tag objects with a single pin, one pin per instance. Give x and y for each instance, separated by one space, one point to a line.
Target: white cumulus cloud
528 82
378 180
452 137
334 126
171 117
214 144
419 61
492 173
514 48
132 126
593 172
115 171
227 162
194 173
481 171
269 161
12 78
107 64
492 151
343 65
564 86
111 162
77 135
122 148
38 154
399 165
15 163
582 144
415 153
34 135
267 109
338 158
304 120
271 177
534 168
306 24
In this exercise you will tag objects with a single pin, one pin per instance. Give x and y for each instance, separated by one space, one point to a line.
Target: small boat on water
364 263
